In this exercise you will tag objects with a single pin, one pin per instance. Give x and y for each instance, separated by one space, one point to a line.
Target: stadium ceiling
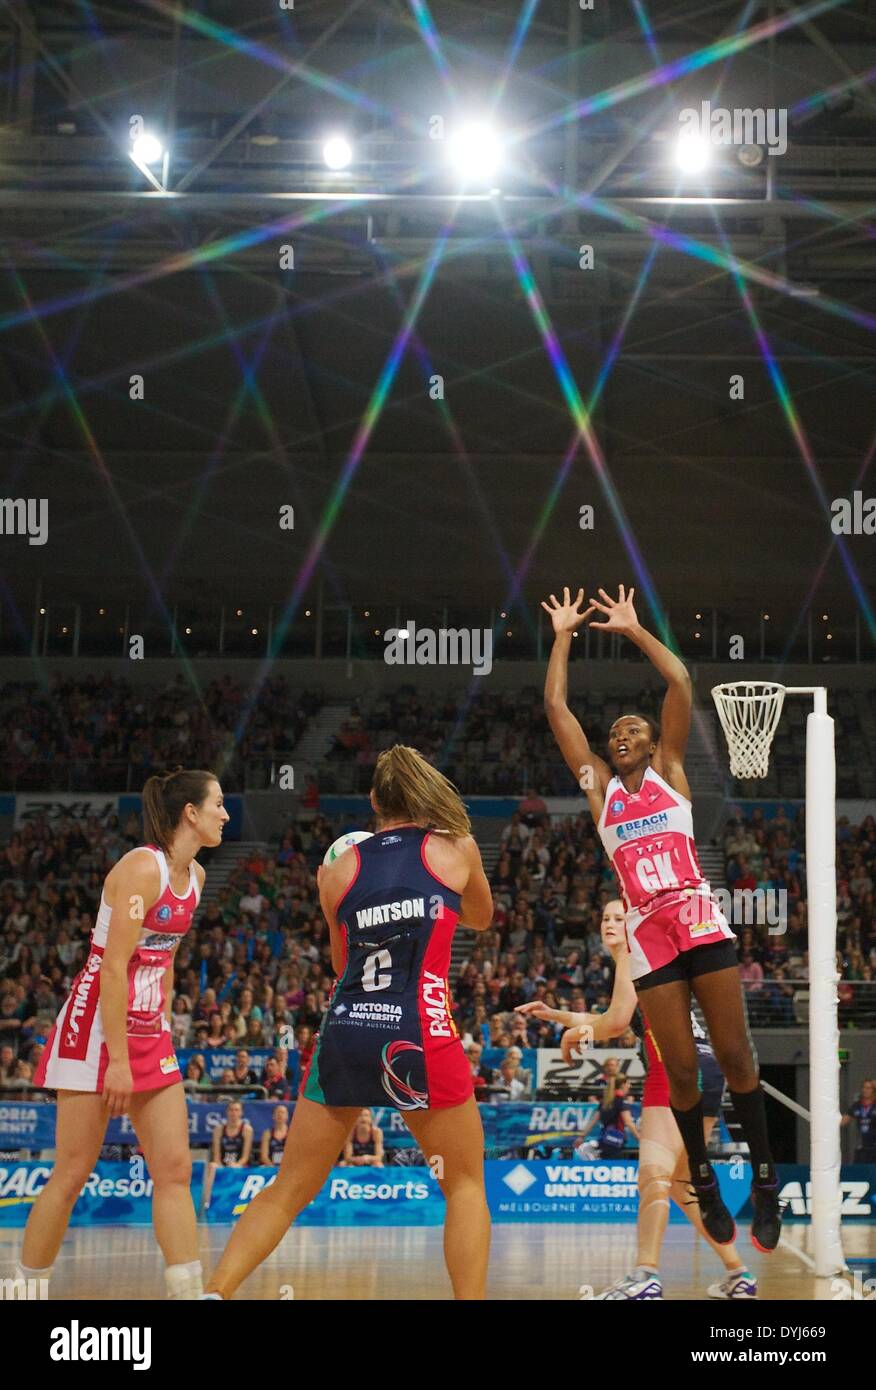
258 378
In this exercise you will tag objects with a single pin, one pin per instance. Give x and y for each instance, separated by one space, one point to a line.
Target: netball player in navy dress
392 903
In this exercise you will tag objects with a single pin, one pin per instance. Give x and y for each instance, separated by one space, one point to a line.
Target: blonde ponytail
406 787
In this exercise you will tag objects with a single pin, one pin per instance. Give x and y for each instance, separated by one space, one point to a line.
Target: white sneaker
740 1284
637 1287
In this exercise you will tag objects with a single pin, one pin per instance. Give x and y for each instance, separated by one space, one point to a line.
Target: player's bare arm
590 771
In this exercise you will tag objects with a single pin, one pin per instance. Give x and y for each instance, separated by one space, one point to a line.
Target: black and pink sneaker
766 1220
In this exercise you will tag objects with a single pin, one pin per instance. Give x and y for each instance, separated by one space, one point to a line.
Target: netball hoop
749 712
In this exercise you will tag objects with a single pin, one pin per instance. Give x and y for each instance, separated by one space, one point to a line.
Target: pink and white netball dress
670 908
76 1056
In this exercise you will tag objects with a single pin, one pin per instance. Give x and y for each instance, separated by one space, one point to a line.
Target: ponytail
406 787
166 797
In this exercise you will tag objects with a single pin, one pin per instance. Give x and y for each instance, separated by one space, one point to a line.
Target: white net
749 712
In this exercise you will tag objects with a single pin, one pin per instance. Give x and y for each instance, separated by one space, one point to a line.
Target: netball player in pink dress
110 1051
678 939
663 1168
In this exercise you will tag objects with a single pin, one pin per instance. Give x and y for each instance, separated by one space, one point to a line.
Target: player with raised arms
392 902
663 1172
110 1051
678 938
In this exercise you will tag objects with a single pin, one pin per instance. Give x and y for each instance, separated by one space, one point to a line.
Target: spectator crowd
766 856
105 734
255 972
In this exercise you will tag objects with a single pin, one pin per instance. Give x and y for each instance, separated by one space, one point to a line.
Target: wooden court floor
530 1262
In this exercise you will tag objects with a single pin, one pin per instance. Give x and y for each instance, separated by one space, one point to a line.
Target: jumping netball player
663 1166
392 903
110 1051
678 938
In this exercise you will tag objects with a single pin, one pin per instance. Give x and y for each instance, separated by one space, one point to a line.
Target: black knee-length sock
751 1109
690 1122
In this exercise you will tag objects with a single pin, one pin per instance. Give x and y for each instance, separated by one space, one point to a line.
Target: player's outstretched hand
620 612
565 616
576 1040
538 1009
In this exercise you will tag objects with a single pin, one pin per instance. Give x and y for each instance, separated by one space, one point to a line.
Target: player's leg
161 1124
719 993
659 1146
668 1008
739 1282
455 1136
666 1000
317 1134
79 1130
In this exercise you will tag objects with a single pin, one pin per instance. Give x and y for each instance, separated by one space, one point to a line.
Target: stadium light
337 152
693 153
750 156
147 149
475 152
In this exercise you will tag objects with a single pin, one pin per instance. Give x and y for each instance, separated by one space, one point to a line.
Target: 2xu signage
557 1079
56 806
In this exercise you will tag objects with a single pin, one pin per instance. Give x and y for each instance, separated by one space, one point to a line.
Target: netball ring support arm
749 712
